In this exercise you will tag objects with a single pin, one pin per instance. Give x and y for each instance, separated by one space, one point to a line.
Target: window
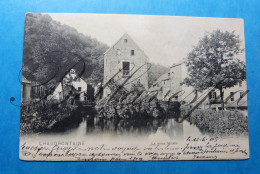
79 88
169 74
118 52
41 90
37 91
241 94
240 84
232 96
60 95
212 95
126 68
125 40
132 52
23 93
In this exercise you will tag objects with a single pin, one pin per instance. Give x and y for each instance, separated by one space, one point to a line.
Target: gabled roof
179 63
126 36
77 76
115 43
162 78
174 65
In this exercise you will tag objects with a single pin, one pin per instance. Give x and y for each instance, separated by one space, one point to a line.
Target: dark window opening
232 96
132 52
24 89
212 95
77 97
241 94
125 40
79 88
41 90
126 68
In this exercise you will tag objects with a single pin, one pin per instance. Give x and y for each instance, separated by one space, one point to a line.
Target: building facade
170 83
125 59
71 81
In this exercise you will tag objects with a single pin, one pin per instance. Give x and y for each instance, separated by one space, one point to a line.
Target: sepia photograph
107 87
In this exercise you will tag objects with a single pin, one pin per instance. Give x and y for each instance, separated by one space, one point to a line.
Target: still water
132 129
96 129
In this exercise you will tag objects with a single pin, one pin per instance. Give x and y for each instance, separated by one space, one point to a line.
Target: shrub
37 116
224 123
135 104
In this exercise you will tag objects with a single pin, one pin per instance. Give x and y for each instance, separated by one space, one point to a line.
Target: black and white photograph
107 87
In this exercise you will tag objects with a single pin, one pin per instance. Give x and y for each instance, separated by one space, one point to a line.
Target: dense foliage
221 123
52 48
135 103
214 62
42 116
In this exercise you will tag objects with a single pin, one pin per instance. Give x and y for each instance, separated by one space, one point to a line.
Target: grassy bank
220 123
41 116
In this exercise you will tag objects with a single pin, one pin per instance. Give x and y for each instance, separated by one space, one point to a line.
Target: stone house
122 60
168 84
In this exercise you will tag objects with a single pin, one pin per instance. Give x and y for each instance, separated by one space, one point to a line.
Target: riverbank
42 116
219 123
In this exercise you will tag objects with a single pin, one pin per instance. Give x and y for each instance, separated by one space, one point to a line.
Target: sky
165 39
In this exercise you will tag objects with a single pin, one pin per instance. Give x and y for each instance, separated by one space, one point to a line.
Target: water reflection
140 127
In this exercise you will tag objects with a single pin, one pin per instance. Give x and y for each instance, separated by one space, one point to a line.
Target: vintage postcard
104 87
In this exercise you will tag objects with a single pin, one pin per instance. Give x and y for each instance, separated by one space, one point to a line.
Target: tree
214 62
52 48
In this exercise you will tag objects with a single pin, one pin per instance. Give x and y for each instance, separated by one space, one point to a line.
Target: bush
126 105
38 116
224 123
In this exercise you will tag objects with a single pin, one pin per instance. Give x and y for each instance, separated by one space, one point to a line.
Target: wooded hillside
52 48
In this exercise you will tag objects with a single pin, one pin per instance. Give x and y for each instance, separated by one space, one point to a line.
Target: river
118 130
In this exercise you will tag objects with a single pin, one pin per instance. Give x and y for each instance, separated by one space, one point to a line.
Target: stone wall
122 52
